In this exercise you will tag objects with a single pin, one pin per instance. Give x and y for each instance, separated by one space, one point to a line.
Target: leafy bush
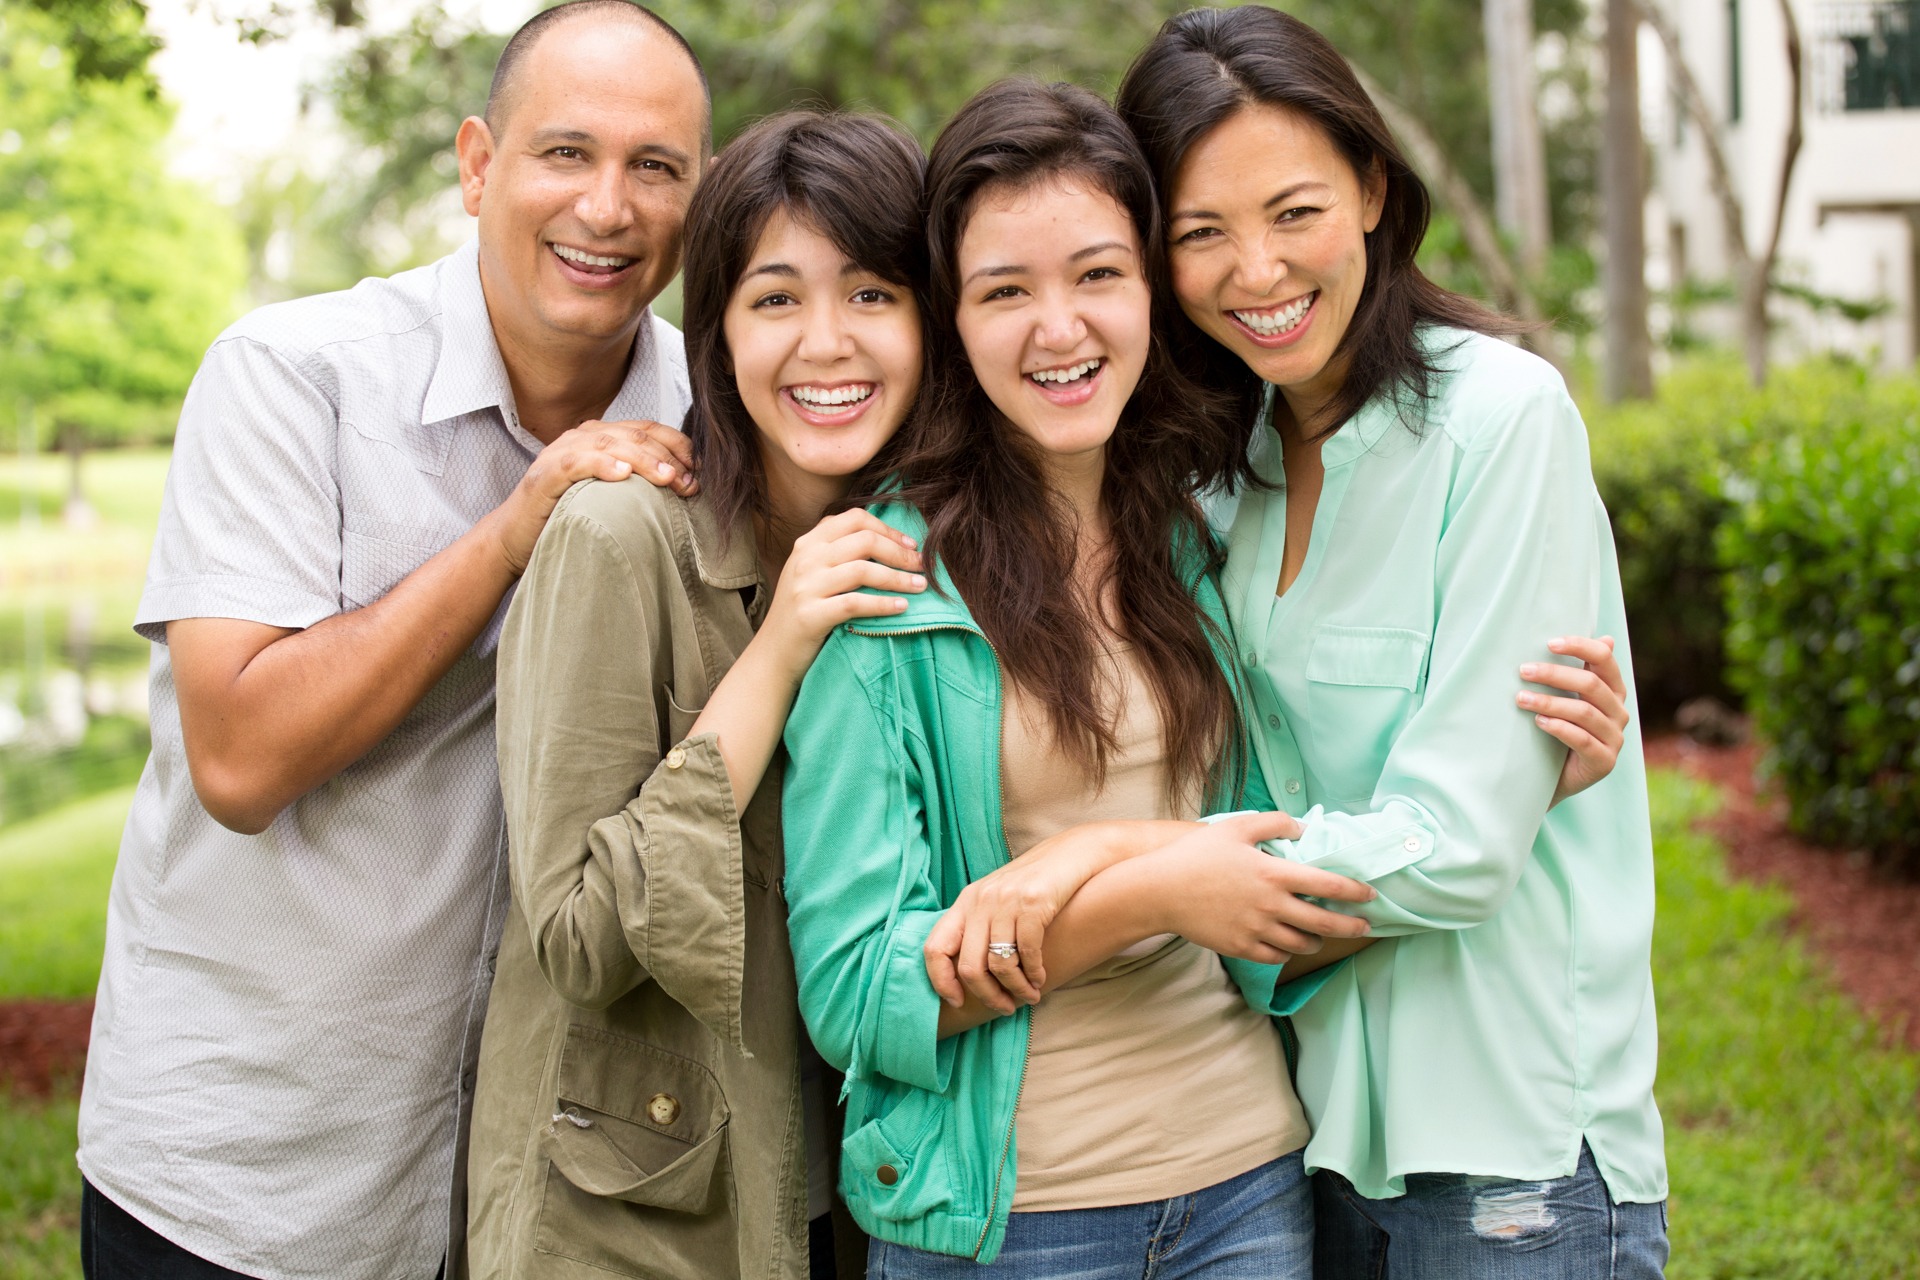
1658 465
1823 558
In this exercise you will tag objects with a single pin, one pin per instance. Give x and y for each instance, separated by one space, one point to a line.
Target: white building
1852 228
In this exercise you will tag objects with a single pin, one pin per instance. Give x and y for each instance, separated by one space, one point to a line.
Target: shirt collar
470 375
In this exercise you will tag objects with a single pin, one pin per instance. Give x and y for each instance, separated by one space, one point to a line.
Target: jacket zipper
1006 854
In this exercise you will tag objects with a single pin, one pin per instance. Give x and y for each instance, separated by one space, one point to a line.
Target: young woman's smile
1054 311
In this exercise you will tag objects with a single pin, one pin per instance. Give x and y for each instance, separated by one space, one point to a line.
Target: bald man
311 884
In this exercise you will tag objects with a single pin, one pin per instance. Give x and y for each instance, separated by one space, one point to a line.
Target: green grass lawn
1793 1135
54 872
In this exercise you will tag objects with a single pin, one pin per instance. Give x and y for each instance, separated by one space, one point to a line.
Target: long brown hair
853 177
1008 543
1206 64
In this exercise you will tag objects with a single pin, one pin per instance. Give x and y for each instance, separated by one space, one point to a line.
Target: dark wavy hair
855 178
1203 66
1008 544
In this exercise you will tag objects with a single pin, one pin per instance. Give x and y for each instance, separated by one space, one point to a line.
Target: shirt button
676 758
1413 844
1273 722
1293 786
663 1108
887 1174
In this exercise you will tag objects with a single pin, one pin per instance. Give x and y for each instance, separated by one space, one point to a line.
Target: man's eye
657 166
567 153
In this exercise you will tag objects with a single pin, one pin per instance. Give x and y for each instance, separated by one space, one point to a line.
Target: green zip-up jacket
891 807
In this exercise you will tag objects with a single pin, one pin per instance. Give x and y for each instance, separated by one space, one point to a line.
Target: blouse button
663 1108
1413 844
1253 658
676 758
887 1174
1293 786
1273 722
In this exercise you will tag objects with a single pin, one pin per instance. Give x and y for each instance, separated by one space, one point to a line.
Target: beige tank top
1147 1077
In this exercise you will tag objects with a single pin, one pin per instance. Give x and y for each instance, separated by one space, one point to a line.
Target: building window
1866 55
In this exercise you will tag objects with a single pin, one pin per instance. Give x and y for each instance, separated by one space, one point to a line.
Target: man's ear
474 145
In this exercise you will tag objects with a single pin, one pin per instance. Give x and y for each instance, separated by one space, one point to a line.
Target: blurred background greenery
1795 1142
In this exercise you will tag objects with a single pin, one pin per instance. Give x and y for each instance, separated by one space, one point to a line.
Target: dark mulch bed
43 1045
1865 924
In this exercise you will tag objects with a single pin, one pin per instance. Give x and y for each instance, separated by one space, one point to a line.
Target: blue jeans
1453 1226
1258 1226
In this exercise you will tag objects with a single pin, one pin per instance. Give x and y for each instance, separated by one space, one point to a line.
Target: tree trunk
79 512
1519 152
1629 369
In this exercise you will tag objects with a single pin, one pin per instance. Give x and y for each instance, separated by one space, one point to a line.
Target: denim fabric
1457 1227
1258 1226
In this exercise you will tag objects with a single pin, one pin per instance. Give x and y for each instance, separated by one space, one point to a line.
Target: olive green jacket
638 1108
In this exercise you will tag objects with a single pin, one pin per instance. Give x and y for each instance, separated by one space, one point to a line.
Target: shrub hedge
1822 549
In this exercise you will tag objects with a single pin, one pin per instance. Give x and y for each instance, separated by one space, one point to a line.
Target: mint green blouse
1507 1014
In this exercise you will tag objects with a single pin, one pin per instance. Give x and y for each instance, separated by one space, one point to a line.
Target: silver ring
1005 950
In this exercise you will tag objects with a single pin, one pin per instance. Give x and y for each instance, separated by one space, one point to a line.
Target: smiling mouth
832 404
1274 322
593 264
1071 374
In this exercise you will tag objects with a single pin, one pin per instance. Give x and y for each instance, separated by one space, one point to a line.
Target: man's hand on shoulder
593 450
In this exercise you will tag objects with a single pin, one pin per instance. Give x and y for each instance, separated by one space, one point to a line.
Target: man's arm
269 713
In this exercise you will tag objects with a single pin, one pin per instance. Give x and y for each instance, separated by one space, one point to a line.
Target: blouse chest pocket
1363 683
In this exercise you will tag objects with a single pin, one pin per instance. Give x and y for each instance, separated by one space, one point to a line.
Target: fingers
975 975
939 951
1316 882
872 544
1030 933
1598 655
674 443
1255 827
1587 716
1579 740
1010 972
843 523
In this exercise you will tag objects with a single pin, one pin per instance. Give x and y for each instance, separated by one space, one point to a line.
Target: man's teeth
1269 323
589 259
1072 373
822 398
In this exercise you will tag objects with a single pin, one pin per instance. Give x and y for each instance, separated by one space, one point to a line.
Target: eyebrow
1279 197
1015 269
575 137
787 271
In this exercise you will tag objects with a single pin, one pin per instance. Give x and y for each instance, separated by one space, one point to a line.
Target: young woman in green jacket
1072 662
1480 1081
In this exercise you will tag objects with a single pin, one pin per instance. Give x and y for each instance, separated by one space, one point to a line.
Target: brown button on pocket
663 1108
887 1174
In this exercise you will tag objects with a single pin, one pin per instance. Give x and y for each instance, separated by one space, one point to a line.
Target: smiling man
310 889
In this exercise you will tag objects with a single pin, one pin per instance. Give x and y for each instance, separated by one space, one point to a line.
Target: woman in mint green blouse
1479 1078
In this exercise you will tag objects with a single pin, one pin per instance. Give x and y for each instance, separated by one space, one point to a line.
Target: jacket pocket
896 1165
637 1124
1363 684
680 720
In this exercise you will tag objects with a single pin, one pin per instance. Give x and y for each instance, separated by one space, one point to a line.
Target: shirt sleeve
1466 784
250 522
626 865
860 895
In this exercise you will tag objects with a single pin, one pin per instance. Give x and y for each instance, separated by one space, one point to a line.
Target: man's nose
603 207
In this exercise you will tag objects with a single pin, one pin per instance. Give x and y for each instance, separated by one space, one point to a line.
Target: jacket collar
730 563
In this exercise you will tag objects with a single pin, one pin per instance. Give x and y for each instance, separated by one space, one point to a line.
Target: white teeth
589 259
1269 323
824 398
1070 374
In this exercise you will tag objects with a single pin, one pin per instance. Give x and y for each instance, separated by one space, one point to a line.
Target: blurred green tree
114 276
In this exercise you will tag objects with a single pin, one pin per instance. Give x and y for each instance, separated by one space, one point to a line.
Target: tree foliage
113 275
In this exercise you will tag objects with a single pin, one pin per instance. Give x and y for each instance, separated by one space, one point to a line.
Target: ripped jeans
1457 1227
